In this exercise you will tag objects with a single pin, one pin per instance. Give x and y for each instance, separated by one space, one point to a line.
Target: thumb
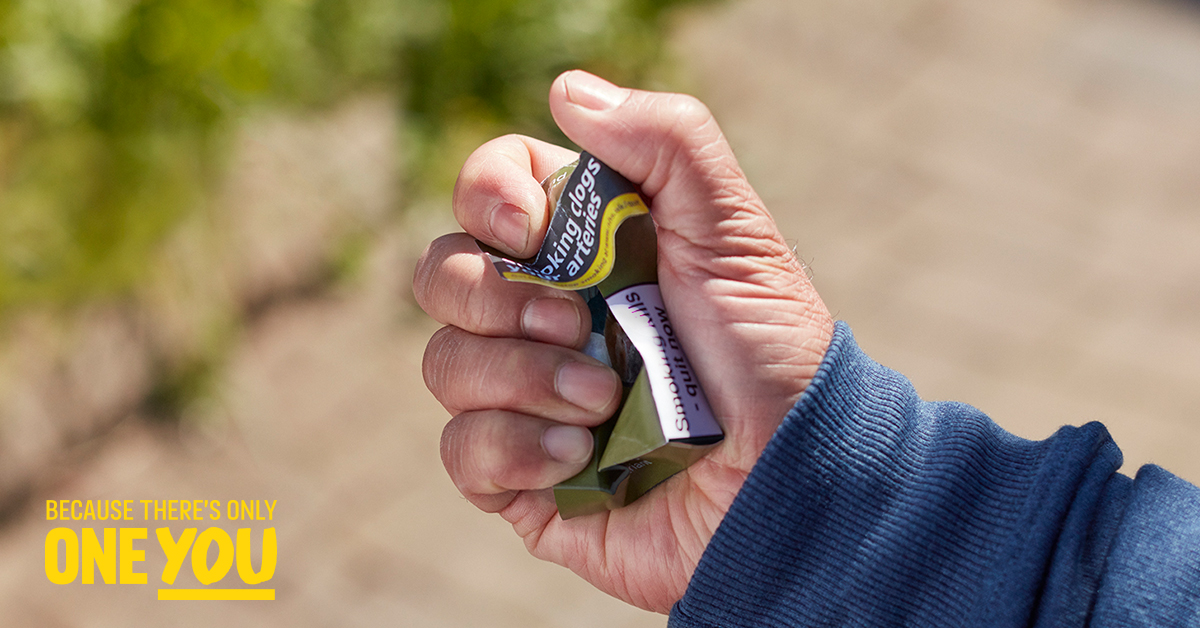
762 327
671 147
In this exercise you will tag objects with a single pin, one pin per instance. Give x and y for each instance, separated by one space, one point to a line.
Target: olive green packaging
601 243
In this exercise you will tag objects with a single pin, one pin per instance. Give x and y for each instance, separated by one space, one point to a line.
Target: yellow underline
216 594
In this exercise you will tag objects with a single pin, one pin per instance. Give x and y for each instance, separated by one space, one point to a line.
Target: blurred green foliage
114 113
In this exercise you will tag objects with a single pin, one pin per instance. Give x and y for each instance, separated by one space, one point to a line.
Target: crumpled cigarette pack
601 242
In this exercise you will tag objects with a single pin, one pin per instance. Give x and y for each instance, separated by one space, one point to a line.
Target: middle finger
456 285
467 372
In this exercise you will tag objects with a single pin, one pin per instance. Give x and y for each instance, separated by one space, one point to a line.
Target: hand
507 364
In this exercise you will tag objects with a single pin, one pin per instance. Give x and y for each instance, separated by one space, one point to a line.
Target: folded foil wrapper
601 243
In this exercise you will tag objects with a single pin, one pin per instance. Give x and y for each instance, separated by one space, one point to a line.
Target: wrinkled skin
507 364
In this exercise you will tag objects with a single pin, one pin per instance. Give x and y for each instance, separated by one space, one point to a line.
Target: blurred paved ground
1003 201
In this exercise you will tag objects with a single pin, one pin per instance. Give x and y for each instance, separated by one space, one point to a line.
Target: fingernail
551 320
592 92
567 443
510 225
587 386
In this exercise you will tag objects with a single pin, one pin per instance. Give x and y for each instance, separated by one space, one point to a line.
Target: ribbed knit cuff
872 507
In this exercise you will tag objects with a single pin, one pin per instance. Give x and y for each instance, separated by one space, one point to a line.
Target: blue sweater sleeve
871 507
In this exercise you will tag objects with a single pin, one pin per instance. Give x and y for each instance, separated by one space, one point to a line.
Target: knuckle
437 363
689 136
457 458
426 275
467 452
476 310
473 451
423 272
688 114
467 175
451 283
688 108
467 372
476 181
451 449
490 465
492 451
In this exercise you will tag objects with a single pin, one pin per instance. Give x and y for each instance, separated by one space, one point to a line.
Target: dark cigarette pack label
579 248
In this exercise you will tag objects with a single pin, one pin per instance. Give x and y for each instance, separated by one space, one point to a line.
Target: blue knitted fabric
871 507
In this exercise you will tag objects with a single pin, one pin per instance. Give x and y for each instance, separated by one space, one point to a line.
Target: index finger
498 197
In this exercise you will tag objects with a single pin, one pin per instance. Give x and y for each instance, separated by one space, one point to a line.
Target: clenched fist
508 366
